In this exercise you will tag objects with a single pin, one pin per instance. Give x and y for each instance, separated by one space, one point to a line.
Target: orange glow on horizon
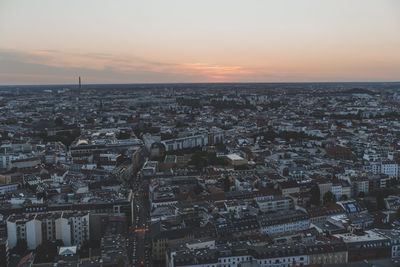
199 41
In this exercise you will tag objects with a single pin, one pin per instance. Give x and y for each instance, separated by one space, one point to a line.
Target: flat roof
234 157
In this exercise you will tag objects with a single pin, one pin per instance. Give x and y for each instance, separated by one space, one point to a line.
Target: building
392 203
341 189
360 185
70 227
327 253
288 188
236 160
324 187
192 141
26 163
320 214
7 188
25 228
162 239
284 221
352 206
378 181
394 236
238 255
390 168
369 245
4 253
274 203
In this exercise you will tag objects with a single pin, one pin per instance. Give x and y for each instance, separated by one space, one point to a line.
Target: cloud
52 66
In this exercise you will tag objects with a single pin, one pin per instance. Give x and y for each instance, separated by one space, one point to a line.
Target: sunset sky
135 41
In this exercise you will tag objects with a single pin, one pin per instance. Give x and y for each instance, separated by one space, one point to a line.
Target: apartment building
284 221
274 203
197 140
70 227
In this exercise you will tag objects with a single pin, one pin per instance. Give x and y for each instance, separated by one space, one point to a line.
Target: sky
167 41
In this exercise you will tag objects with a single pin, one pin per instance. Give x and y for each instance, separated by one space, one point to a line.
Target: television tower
79 83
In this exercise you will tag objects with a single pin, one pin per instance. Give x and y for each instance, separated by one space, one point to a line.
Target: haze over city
53 42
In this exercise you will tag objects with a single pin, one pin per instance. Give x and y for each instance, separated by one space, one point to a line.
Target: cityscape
236 175
207 133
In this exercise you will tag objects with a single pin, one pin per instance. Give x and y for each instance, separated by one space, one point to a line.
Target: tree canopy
329 197
203 159
47 251
315 196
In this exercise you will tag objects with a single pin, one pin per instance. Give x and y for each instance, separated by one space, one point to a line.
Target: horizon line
173 83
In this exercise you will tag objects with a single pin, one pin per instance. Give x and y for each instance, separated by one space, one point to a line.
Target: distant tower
79 83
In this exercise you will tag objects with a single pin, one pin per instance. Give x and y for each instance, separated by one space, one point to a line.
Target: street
139 235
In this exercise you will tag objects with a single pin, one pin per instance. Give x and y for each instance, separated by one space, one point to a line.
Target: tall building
4 253
70 227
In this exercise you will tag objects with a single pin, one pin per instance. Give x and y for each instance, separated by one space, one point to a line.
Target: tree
369 205
393 182
198 189
315 195
227 184
380 201
21 247
285 172
199 160
122 262
65 137
398 214
343 197
4 135
329 197
59 121
47 251
86 246
180 124
123 135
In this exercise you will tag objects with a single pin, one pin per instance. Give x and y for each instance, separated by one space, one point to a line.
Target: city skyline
49 42
182 133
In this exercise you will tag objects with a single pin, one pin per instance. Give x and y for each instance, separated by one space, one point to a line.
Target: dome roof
82 142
